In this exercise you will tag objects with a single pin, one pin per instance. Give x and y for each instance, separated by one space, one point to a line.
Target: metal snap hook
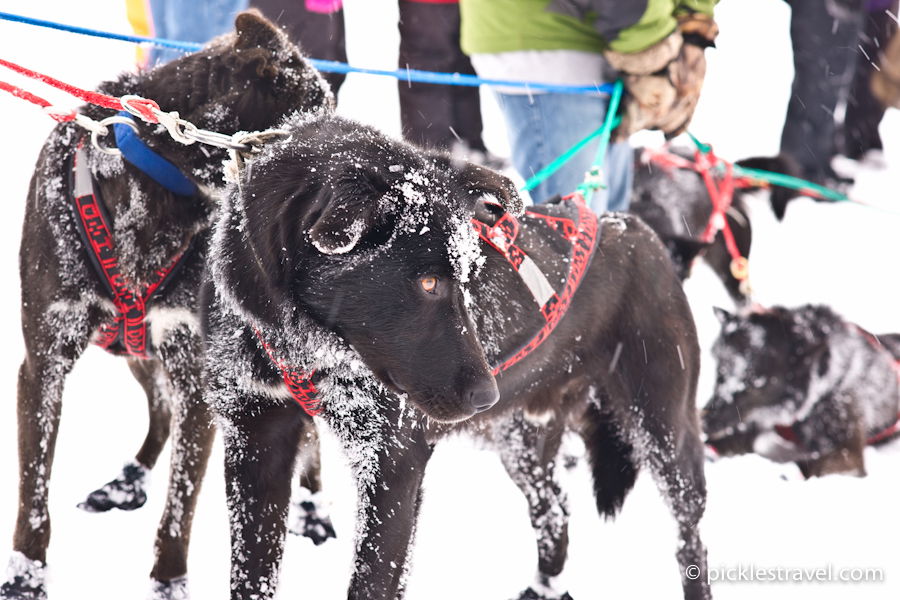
97 133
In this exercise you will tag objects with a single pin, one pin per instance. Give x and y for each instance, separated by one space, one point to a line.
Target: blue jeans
190 21
543 126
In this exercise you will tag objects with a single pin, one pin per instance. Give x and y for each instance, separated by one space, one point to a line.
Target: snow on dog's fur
801 385
247 80
353 258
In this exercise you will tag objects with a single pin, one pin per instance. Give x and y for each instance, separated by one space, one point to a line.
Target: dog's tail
784 164
611 458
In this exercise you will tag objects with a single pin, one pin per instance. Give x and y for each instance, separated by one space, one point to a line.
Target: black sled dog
81 199
675 202
348 275
802 385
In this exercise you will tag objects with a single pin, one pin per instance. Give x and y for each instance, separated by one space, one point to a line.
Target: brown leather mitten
664 80
885 82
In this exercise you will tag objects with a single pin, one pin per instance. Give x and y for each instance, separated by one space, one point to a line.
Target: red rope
25 95
143 106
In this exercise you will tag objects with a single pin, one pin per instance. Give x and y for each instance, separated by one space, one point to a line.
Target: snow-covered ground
474 540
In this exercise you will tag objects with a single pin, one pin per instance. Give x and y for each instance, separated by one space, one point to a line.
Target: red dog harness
582 234
721 187
502 236
127 334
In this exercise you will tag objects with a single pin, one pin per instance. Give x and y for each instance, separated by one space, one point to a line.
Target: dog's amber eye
429 284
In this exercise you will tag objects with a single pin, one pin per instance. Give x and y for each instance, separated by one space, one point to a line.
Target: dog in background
676 204
348 262
244 81
802 385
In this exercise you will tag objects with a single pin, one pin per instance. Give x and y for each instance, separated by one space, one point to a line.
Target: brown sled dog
244 81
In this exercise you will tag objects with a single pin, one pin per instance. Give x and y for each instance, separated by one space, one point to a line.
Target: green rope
610 122
594 178
792 182
780 179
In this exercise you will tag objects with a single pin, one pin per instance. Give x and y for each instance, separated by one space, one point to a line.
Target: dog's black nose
483 395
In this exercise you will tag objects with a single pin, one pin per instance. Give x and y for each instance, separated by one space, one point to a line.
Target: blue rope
333 66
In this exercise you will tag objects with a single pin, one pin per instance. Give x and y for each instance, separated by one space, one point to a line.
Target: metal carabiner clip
103 130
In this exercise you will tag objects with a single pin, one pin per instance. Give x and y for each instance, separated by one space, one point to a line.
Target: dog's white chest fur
161 320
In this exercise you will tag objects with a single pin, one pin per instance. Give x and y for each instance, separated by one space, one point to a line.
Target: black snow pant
824 35
318 35
435 115
860 130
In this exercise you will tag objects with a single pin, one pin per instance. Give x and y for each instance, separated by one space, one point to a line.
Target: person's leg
318 28
429 41
824 40
466 101
859 132
191 21
541 127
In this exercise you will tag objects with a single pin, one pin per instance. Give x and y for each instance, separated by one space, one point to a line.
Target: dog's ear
478 181
340 227
723 315
347 212
258 41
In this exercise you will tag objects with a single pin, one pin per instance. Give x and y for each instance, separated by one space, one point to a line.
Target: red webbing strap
583 237
130 323
144 106
502 237
883 435
300 384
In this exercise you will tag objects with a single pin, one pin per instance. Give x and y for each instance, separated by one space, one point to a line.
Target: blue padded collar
139 154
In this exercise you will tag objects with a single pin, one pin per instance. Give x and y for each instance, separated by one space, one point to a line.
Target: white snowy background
474 539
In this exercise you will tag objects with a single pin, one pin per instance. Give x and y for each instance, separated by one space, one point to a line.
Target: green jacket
490 26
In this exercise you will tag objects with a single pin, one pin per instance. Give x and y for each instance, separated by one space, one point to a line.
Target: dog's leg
676 460
529 452
260 449
389 454
128 490
148 373
834 431
193 431
310 510
51 352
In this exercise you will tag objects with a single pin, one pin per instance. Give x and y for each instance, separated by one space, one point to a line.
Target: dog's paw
125 492
174 589
310 518
532 594
545 587
24 579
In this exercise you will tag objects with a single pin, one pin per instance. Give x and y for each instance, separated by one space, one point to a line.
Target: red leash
718 176
142 106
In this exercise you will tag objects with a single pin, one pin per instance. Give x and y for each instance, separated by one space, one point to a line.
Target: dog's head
763 363
246 80
371 239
